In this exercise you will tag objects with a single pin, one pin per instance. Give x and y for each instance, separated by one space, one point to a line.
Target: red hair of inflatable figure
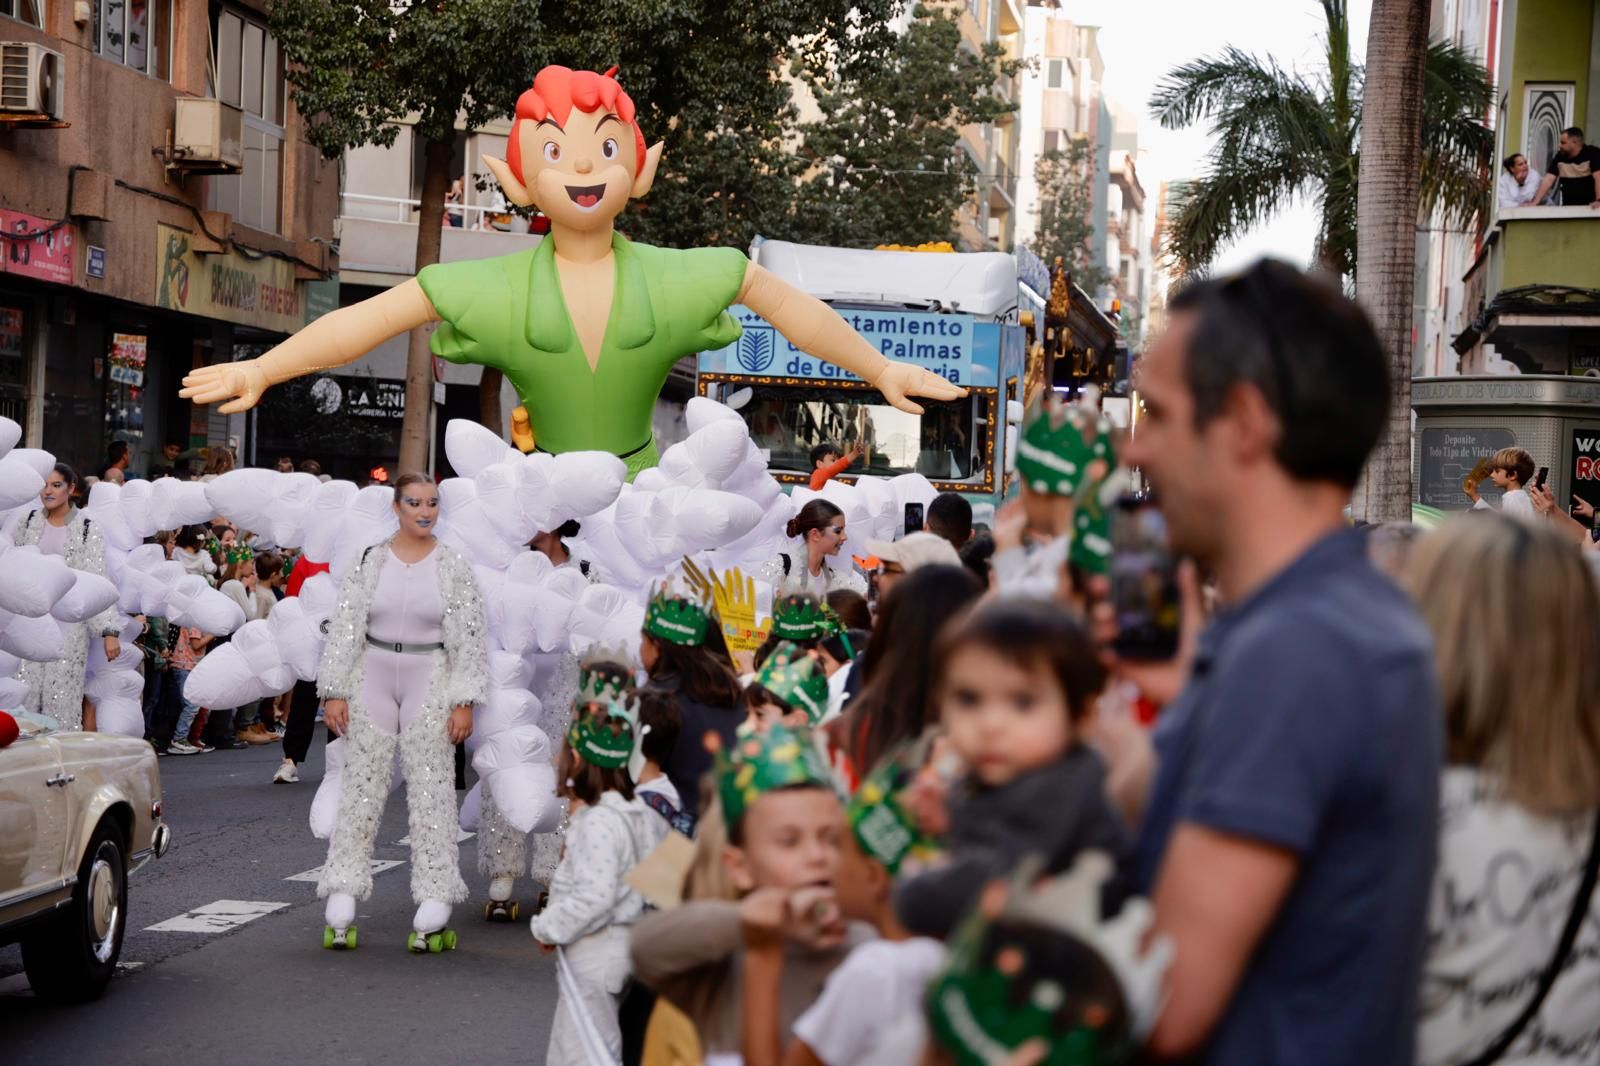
556 91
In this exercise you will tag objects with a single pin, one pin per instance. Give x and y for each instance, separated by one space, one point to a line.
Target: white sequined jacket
84 550
460 671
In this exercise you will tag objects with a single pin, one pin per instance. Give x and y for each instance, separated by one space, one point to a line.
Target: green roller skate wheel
411 941
450 938
350 938
435 943
327 936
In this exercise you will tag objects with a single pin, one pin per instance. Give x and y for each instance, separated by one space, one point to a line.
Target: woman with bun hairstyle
58 528
820 529
405 662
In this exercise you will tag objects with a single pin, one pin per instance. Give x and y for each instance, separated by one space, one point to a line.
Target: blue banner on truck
952 346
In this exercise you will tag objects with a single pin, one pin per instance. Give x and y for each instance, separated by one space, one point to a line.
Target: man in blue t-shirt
1289 834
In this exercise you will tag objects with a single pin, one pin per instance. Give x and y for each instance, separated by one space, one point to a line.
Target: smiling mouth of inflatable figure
586 196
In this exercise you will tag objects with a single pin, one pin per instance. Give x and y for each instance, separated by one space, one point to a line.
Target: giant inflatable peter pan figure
588 324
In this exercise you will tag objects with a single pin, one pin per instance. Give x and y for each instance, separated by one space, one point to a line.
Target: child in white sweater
590 906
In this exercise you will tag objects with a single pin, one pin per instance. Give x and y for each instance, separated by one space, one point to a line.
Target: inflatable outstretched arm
336 339
814 328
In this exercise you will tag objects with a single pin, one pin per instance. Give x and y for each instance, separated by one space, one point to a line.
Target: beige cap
915 550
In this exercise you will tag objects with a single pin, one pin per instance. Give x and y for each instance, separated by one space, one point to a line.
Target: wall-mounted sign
941 343
259 292
95 266
1448 455
47 256
359 396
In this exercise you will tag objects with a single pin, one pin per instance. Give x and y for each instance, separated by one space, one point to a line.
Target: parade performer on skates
586 325
405 663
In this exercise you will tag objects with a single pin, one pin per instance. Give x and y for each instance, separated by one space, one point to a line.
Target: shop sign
1586 463
128 353
96 265
47 257
229 286
1448 455
359 396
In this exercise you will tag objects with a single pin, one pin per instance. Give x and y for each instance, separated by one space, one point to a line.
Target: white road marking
378 866
461 836
218 917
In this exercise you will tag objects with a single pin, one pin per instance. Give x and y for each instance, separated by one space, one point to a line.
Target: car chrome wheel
105 902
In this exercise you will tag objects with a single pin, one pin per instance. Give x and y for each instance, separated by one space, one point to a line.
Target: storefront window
13 364
125 381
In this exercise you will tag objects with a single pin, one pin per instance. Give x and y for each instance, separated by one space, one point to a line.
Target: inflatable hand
471 448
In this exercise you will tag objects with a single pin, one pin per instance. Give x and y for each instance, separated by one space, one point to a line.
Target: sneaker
256 734
182 747
202 748
288 774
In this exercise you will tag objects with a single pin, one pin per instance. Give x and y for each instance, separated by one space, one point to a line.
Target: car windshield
945 444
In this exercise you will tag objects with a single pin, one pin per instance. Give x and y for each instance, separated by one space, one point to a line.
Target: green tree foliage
1064 228
1280 134
888 165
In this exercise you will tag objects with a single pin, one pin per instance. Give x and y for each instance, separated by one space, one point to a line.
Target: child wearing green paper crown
1065 459
870 1010
785 828
791 688
591 904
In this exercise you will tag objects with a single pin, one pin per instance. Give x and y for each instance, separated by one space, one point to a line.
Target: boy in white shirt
1511 469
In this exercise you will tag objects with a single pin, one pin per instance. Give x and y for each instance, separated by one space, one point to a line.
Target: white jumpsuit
400 701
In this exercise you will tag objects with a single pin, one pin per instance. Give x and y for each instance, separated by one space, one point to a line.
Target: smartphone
914 518
1144 582
1538 479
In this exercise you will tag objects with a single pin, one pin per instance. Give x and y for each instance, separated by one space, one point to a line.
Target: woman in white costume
58 528
405 662
819 527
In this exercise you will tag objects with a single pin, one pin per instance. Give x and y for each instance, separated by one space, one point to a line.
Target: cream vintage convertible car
79 812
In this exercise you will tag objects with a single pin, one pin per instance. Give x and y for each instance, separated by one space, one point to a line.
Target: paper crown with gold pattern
239 553
762 761
797 679
1057 447
883 822
1036 962
797 616
604 732
604 674
677 617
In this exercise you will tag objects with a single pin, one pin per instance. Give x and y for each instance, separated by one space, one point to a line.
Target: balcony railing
1542 246
378 234
396 209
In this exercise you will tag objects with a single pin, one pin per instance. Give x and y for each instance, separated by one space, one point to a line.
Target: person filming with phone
1511 470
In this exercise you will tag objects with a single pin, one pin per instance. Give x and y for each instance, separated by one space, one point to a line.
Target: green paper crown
765 761
604 675
1055 451
677 618
797 616
1022 975
796 679
603 732
239 553
884 826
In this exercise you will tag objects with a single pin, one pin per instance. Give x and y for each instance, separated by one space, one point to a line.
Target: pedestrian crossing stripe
378 866
218 917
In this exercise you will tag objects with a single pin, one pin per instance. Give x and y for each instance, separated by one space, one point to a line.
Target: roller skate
340 932
431 935
501 907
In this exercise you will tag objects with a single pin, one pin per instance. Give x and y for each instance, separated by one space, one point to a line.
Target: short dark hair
658 715
822 451
1311 352
1574 131
1029 633
311 466
851 607
1510 161
116 450
977 555
950 516
69 475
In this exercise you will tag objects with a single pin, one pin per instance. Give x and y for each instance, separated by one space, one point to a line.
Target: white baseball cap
915 550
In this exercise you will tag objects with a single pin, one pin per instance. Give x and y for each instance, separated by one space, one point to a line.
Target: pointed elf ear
515 191
647 171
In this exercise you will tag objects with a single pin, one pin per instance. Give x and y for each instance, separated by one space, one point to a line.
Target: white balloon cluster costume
405 646
62 586
711 499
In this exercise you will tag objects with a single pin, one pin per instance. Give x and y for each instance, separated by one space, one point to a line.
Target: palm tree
1386 244
1281 134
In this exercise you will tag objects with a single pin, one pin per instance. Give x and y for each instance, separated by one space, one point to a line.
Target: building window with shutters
29 11
135 33
248 73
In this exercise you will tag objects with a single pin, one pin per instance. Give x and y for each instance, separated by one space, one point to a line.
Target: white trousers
600 965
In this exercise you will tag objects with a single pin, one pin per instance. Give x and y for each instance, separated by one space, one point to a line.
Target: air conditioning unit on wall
207 137
32 83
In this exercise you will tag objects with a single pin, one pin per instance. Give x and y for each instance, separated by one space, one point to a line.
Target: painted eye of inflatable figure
610 148
552 151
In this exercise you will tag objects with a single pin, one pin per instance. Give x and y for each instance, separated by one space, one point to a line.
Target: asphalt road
265 991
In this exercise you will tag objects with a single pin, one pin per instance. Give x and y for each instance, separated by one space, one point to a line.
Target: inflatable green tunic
509 313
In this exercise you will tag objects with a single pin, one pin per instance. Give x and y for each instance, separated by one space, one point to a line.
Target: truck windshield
945 444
